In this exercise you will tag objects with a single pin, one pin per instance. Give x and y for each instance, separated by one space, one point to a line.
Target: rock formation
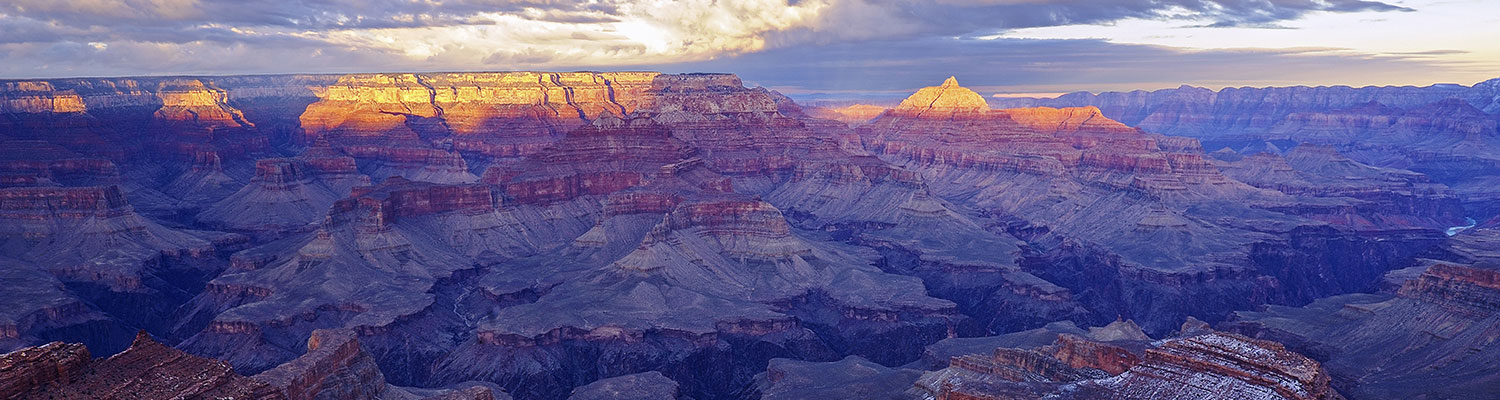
1207 366
946 100
1432 330
147 370
408 234
286 194
643 386
851 378
336 367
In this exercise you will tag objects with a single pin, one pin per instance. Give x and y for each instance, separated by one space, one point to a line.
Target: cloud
124 37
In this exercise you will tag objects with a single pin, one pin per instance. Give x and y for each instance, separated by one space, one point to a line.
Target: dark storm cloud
844 19
1038 65
875 19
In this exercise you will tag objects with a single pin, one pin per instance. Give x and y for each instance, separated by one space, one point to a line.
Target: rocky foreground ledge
335 367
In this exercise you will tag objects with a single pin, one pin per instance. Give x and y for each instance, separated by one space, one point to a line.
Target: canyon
541 235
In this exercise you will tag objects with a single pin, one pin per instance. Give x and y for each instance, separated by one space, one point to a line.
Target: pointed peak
142 338
946 99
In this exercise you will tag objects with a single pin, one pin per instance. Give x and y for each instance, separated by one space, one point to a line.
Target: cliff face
530 108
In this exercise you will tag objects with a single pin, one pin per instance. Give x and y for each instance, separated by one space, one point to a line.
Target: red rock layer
531 108
39 163
47 204
608 156
397 197
1462 288
24 371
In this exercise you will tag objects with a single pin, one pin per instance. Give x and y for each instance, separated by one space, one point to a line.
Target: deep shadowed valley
598 235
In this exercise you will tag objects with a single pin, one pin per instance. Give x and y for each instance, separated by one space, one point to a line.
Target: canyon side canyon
639 235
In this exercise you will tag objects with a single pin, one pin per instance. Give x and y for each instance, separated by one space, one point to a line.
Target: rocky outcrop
643 386
147 370
336 367
204 182
1208 366
282 197
333 367
851 378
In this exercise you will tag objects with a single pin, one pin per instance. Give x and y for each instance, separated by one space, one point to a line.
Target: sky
807 48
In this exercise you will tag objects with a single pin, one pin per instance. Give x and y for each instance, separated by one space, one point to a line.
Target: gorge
560 235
